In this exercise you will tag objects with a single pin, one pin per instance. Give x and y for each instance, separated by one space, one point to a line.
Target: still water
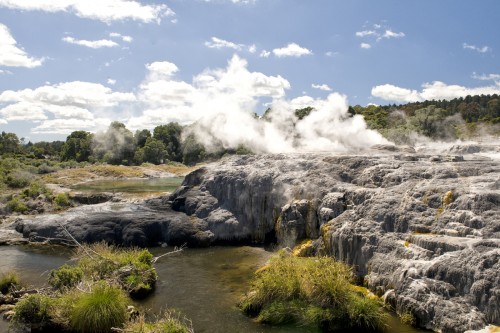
204 284
154 185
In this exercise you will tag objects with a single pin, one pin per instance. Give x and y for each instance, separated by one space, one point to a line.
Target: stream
203 284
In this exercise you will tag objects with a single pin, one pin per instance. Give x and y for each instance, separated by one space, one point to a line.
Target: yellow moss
494 329
262 269
364 292
304 249
439 211
448 198
407 243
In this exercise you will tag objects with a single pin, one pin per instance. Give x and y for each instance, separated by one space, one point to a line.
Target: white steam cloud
221 103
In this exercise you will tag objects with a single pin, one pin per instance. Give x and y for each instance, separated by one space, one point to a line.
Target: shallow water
131 185
204 284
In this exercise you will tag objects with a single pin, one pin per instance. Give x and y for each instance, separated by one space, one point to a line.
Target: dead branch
176 250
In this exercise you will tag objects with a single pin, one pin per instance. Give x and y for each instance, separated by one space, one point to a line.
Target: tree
304 112
78 146
9 143
154 151
192 151
170 135
141 137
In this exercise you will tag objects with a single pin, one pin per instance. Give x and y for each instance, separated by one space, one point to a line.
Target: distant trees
78 146
170 135
9 143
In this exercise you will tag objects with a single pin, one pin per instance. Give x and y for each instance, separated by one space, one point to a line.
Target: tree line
461 118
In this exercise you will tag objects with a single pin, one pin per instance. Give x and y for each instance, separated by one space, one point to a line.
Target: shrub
34 190
18 179
62 200
16 205
33 310
65 276
310 291
8 281
100 310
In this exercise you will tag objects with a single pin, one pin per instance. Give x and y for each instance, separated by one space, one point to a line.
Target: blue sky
67 65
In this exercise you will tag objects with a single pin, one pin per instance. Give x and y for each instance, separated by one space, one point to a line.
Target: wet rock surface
422 229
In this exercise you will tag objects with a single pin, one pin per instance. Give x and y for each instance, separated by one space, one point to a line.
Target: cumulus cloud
365 46
93 44
264 54
11 55
323 87
111 81
292 50
430 91
124 38
480 49
104 10
72 102
217 43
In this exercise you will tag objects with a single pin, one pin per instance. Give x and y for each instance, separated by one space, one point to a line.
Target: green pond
204 284
137 185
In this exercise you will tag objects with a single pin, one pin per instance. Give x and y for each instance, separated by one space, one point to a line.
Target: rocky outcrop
420 229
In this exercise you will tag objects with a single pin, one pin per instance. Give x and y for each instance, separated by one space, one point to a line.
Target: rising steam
220 105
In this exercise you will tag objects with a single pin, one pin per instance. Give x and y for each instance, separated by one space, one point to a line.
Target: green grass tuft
65 276
170 322
310 291
8 281
34 310
100 310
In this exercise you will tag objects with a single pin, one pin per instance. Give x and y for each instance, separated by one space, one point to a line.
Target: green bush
310 291
34 190
18 179
62 200
65 276
8 281
16 205
34 310
100 310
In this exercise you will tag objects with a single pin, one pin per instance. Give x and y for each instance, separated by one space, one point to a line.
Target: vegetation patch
169 322
315 291
8 281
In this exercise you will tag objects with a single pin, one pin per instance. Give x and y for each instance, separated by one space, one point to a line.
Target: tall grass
100 310
310 291
8 281
170 322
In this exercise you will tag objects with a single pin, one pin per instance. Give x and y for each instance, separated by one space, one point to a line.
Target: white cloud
292 50
252 48
482 49
365 33
111 81
70 102
431 91
379 32
323 87
93 44
103 10
331 53
264 54
161 70
218 43
11 55
124 38
6 72
487 77
365 46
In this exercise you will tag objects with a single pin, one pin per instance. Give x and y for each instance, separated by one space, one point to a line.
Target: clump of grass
33 310
407 318
170 322
65 276
18 179
132 267
100 310
310 291
8 281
